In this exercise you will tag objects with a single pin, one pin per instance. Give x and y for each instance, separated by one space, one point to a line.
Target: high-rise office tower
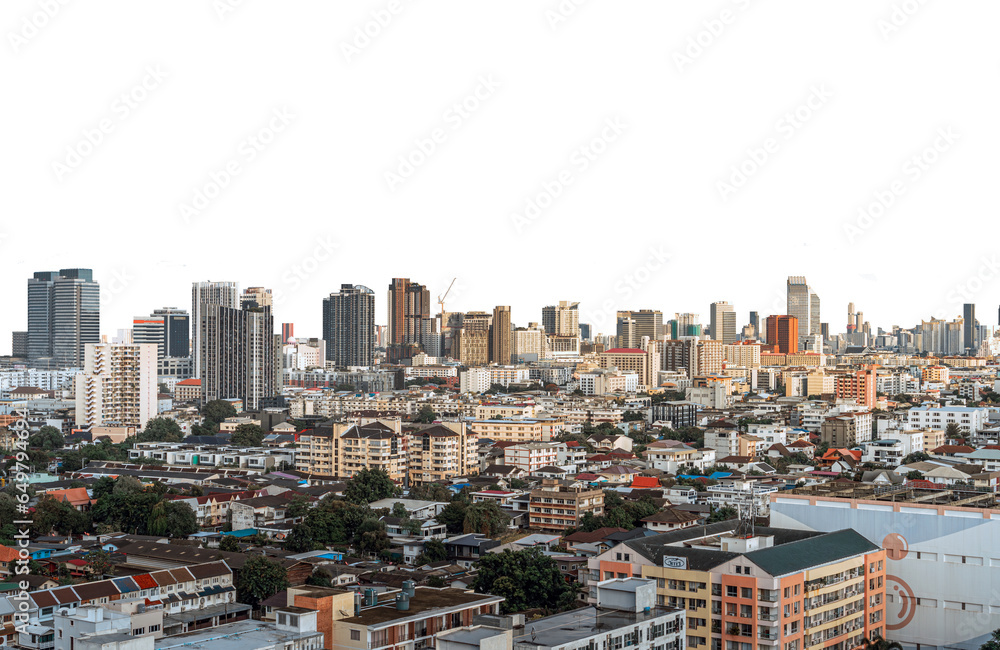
755 323
648 322
969 320
349 326
723 322
240 353
287 332
783 332
685 325
117 386
64 315
500 335
411 328
585 333
851 325
167 328
223 294
257 296
562 319
625 332
473 341
804 305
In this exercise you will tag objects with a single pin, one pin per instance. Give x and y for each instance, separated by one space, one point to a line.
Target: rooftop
579 624
234 636
426 602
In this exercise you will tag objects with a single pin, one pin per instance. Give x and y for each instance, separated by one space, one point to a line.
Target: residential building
783 334
474 339
858 385
411 328
441 452
847 429
521 430
530 343
117 386
645 363
770 587
240 353
562 319
500 335
349 326
969 419
532 456
19 345
558 505
223 294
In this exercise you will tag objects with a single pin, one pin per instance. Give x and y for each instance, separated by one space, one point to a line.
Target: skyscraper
648 322
168 328
625 331
474 339
804 305
783 333
64 315
562 319
411 327
240 355
755 323
723 322
349 326
500 335
287 332
223 294
969 320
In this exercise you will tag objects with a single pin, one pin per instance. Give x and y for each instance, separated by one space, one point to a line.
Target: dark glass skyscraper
969 327
349 326
64 314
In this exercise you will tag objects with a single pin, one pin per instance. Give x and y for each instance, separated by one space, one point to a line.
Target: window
731 591
355 635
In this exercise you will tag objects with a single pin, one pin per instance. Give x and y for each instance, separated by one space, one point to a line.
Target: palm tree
878 643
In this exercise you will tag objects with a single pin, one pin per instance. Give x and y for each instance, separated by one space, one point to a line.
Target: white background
655 188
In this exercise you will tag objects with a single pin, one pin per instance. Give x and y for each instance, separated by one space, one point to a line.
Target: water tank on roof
402 601
409 588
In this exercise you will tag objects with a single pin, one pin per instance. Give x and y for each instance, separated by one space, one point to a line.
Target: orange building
858 385
779 588
783 332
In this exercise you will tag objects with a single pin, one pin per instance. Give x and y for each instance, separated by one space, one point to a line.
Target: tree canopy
526 579
259 579
370 485
247 435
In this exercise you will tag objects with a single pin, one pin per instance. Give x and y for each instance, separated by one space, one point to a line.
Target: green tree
173 519
8 513
259 579
372 538
214 413
370 485
526 579
915 457
453 516
722 514
298 507
230 544
434 551
99 564
247 435
399 510
436 581
47 438
431 492
426 415
993 643
58 517
161 430
485 517
878 643
952 431
914 475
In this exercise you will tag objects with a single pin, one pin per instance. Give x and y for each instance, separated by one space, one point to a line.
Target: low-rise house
466 550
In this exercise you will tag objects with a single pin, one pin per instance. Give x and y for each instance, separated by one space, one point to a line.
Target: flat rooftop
583 623
902 494
423 604
234 636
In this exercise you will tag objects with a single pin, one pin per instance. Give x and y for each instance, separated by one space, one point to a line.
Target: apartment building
442 452
343 449
117 386
968 418
532 456
846 430
746 354
558 505
858 386
528 430
776 588
645 363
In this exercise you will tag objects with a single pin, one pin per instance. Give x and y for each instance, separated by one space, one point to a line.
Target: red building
858 385
783 332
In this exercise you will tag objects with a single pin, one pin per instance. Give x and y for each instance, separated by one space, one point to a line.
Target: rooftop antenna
746 506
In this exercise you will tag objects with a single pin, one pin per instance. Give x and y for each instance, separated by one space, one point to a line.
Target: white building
474 380
732 492
531 456
969 419
117 385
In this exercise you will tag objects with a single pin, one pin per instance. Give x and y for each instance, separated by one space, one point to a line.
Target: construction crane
441 298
